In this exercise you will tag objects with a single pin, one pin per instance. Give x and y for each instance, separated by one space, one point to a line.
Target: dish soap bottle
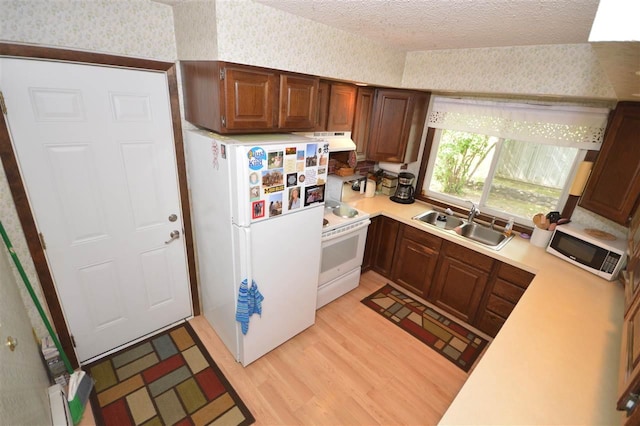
508 228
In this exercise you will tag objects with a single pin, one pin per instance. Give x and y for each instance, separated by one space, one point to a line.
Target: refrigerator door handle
247 242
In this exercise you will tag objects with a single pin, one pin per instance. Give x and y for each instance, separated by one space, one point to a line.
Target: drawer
422 237
500 306
515 275
507 290
468 256
490 323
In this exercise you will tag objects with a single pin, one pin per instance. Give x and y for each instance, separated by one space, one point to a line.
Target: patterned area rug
167 379
450 339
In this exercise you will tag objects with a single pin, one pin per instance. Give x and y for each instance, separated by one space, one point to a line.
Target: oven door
342 252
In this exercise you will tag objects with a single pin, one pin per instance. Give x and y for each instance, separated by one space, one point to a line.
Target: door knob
12 343
174 236
173 218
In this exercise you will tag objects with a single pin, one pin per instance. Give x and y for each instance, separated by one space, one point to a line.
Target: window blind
574 126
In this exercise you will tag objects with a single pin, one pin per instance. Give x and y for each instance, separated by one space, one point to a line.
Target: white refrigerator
257 204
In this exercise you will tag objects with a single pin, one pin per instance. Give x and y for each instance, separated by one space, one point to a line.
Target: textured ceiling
452 24
419 25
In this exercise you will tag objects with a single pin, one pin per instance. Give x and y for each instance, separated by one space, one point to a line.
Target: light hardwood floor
351 367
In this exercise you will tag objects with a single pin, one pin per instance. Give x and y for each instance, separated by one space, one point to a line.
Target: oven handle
355 227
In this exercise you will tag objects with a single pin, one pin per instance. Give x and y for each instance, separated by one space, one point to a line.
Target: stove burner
325 222
345 212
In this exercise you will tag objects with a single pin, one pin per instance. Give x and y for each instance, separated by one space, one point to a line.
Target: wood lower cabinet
415 261
233 98
381 244
614 185
460 281
471 286
502 296
629 370
629 381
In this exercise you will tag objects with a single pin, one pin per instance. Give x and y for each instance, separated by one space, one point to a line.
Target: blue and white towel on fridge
249 303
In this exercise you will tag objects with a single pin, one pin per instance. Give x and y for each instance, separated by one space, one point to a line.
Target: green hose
14 256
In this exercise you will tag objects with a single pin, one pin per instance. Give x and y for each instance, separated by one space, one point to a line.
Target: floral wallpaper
255 34
570 70
592 220
196 35
139 28
11 223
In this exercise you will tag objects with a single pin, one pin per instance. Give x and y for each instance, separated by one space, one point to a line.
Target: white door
95 148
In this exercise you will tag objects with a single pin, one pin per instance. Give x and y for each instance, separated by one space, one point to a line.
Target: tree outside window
507 178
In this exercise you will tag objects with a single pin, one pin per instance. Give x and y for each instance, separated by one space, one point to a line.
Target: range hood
338 141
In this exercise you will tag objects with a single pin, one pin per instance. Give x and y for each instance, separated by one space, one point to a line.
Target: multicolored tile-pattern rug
167 379
450 339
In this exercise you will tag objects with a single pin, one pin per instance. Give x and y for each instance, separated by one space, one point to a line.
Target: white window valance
575 126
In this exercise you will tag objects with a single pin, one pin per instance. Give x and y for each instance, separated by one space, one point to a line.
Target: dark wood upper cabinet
397 125
233 98
298 102
336 104
362 120
342 103
614 186
322 109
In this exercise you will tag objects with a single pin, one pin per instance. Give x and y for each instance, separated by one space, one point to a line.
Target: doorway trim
19 194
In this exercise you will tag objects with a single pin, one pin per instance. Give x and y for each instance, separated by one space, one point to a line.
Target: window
511 160
505 177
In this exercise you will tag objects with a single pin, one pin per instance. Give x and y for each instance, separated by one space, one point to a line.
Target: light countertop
555 360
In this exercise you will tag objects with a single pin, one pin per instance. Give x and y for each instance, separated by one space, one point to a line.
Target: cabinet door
362 120
459 288
391 123
418 118
342 103
613 188
372 243
249 100
460 281
201 92
322 109
505 292
298 102
415 260
386 241
629 383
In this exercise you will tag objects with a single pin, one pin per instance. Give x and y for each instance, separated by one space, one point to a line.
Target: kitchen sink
480 234
484 235
431 217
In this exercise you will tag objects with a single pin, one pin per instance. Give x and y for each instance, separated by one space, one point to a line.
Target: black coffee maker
404 190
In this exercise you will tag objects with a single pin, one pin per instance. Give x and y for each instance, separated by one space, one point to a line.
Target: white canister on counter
371 188
540 237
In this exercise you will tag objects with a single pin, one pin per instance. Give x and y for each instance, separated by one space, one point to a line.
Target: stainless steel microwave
600 256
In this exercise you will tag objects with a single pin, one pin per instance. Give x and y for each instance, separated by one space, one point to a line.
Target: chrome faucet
473 212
